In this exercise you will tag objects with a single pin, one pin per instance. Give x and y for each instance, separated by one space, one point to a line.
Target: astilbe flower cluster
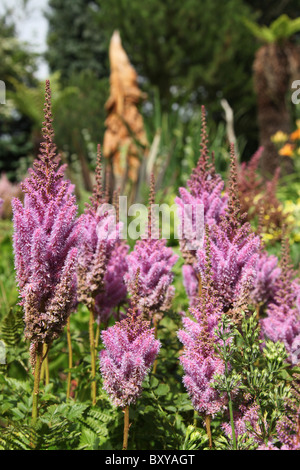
102 258
46 237
114 292
238 262
282 322
154 262
202 203
246 421
199 359
234 250
250 184
130 351
274 217
258 197
267 274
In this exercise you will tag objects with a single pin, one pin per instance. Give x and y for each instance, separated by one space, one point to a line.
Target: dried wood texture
124 124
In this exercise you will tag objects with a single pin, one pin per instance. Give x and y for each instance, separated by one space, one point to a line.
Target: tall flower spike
267 274
282 322
100 272
233 217
97 197
234 250
130 351
114 292
155 261
46 237
199 173
202 204
101 236
150 205
199 360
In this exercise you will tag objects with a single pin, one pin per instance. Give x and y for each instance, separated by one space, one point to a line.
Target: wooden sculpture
125 141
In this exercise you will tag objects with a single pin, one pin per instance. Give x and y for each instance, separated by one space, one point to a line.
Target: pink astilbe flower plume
267 273
205 189
46 237
130 351
154 262
234 250
283 313
102 258
202 203
199 359
114 291
246 420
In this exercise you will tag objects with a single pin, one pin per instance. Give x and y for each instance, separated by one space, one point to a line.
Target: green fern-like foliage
15 437
281 29
13 347
12 327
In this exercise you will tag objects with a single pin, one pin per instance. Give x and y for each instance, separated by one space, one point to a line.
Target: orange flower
295 135
287 150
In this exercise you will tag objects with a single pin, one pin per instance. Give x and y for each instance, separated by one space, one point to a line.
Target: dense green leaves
76 43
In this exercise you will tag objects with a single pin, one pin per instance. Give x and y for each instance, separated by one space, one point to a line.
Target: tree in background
17 65
75 41
276 64
77 50
193 52
267 11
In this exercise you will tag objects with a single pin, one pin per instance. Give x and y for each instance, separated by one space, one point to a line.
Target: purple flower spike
114 291
46 237
205 193
234 250
102 258
267 273
199 360
283 314
154 262
130 351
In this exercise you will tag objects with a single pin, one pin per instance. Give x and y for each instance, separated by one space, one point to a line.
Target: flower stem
45 363
93 358
126 427
155 335
97 335
257 311
36 387
208 429
232 421
70 358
